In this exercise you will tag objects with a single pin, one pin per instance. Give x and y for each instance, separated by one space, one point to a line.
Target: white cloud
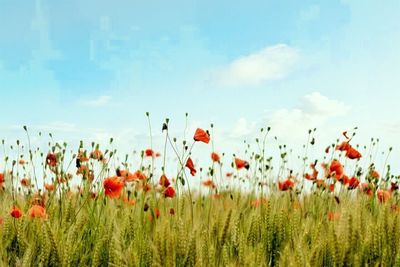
100 101
271 63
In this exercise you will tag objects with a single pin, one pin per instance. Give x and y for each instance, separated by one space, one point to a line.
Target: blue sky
91 69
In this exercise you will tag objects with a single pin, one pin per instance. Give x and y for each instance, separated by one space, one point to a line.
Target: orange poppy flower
51 160
337 168
240 164
320 183
25 182
49 187
190 166
21 162
16 212
113 187
383 195
353 183
37 211
374 174
288 184
130 202
96 154
169 192
157 212
164 181
314 174
215 157
333 216
344 146
202 136
352 153
208 183
82 156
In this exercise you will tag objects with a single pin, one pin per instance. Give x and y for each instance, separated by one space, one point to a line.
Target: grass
132 221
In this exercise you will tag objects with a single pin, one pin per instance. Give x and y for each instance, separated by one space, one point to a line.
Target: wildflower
51 160
209 183
258 202
374 174
353 183
21 162
149 153
129 177
25 182
16 212
337 168
130 202
343 146
169 192
367 189
394 186
164 181
113 187
49 187
288 184
353 153
202 136
383 195
190 166
240 164
314 174
96 154
1 178
37 211
229 174
333 216
215 157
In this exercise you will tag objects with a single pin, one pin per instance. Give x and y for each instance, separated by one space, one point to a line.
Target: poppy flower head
169 192
49 187
96 154
343 146
16 213
383 195
314 175
337 168
353 153
25 182
288 184
113 187
190 166
1 178
164 182
353 183
201 136
37 211
51 159
240 164
149 153
333 216
394 186
208 183
215 157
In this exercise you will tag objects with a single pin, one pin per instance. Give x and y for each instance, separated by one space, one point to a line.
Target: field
89 210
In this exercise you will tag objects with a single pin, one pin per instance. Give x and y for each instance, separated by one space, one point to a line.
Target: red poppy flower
37 211
157 212
113 187
352 153
383 195
25 182
367 189
314 174
164 181
343 146
394 186
374 174
215 157
51 159
208 183
288 184
190 166
149 153
16 212
240 164
229 174
333 216
337 168
169 192
202 136
353 183
1 179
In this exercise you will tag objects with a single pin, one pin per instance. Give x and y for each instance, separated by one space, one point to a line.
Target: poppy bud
146 207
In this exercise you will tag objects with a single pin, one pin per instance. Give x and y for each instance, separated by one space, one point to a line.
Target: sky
91 69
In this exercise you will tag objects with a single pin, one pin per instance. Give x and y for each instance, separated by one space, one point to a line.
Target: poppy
367 189
21 162
383 195
337 168
129 177
149 153
343 146
37 211
96 154
215 157
130 202
374 174
314 174
51 160
320 184
258 202
208 183
164 181
240 164
49 187
16 212
229 174
333 216
1 178
288 184
25 182
201 136
190 166
394 186
353 183
113 187
352 153
157 212
169 192
82 156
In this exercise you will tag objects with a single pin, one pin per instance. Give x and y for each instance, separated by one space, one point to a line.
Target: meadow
88 209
